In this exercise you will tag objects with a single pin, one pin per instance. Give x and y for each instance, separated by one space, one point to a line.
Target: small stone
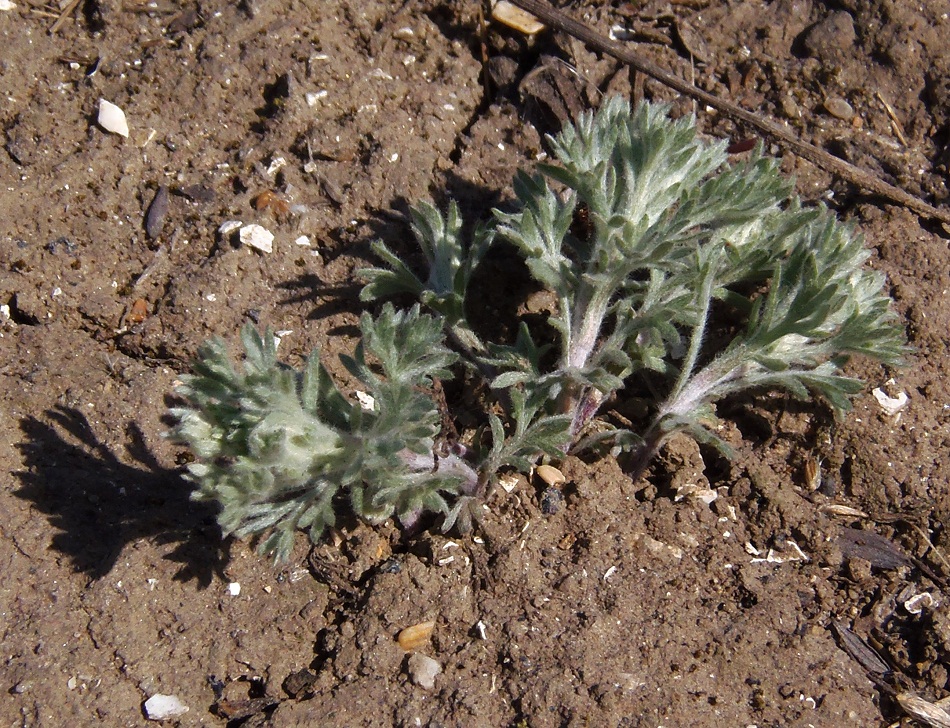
234 588
423 669
551 501
257 237
839 108
890 405
790 109
164 707
831 38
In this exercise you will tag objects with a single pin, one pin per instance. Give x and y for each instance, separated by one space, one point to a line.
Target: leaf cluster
275 448
642 231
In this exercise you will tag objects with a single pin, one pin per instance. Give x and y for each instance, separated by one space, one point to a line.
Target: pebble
831 38
551 501
257 237
790 109
423 669
839 108
155 217
164 707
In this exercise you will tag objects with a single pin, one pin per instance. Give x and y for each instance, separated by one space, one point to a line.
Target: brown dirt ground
627 606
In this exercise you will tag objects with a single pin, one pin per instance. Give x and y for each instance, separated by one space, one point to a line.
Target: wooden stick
67 11
783 136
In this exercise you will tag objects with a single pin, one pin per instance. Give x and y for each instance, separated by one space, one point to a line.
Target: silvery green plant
670 268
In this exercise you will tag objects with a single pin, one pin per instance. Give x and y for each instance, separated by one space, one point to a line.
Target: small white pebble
257 237
164 707
303 240
423 669
890 405
234 588
314 96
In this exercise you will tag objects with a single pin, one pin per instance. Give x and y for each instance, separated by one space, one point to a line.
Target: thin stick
784 137
67 11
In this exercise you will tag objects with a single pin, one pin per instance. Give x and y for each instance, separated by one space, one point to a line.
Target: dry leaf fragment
414 637
550 475
836 509
871 546
860 650
514 17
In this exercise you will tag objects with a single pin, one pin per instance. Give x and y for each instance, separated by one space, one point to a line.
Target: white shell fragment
164 707
890 405
228 227
917 604
691 490
276 164
257 237
508 482
234 588
7 5
112 118
423 669
367 402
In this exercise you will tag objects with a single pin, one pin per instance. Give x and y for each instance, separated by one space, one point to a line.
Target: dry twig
781 135
67 11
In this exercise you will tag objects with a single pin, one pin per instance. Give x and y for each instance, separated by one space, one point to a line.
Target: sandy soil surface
624 607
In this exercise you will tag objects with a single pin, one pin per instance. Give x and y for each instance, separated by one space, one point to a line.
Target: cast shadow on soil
392 226
98 504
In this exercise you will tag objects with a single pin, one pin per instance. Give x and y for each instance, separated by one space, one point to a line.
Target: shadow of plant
99 504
